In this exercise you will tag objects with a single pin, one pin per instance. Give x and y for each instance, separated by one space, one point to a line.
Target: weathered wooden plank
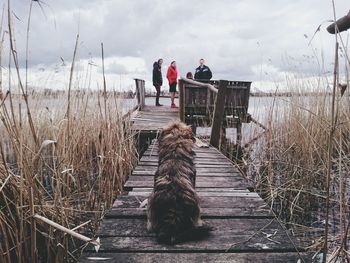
151 172
200 169
197 159
199 165
199 180
206 212
199 184
205 154
206 190
209 149
213 244
128 201
253 235
289 257
203 194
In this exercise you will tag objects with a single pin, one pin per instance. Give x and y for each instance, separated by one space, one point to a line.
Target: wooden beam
181 100
342 24
218 114
200 84
239 133
140 93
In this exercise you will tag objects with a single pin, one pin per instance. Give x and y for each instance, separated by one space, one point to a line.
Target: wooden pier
245 229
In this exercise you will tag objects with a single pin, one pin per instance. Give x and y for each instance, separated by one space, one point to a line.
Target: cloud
235 37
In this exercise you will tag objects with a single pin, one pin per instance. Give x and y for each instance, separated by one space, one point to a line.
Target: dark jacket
203 73
157 75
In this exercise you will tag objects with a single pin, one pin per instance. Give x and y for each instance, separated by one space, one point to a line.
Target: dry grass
73 179
291 162
63 158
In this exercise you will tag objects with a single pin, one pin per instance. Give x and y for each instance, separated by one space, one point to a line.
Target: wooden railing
214 102
217 103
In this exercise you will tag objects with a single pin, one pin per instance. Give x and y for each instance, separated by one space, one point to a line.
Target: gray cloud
235 37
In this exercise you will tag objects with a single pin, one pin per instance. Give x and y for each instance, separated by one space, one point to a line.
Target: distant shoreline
269 94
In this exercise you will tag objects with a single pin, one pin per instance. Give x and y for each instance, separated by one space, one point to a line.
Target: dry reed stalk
70 87
64 182
27 47
71 232
2 36
331 136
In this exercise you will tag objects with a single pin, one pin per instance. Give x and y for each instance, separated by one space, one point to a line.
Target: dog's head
176 130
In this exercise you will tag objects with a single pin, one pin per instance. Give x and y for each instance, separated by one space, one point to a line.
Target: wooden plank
199 169
201 179
273 257
201 173
128 201
136 227
198 164
206 190
249 235
209 149
206 212
202 194
199 184
218 114
208 155
196 160
213 244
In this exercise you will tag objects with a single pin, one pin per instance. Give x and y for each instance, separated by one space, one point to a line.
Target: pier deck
245 229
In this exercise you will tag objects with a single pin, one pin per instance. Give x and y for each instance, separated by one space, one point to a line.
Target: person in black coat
157 78
203 72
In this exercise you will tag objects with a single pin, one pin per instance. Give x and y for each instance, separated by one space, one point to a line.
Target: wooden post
218 114
182 100
239 133
143 94
140 93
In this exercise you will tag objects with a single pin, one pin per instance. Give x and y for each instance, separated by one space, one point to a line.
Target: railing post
143 94
182 100
140 93
219 111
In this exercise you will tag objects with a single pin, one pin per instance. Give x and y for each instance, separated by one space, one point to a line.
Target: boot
157 102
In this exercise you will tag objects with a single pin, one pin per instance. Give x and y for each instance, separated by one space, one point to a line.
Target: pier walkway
245 229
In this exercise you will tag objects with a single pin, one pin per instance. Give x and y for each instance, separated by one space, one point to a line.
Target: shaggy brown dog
173 207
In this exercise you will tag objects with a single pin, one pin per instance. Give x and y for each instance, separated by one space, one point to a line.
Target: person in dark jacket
157 78
203 72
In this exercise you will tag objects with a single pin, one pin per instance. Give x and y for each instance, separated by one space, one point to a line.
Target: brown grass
63 158
73 179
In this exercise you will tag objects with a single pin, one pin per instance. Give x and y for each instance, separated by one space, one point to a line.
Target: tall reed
62 158
290 163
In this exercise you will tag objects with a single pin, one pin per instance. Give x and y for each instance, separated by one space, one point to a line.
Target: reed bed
289 164
66 170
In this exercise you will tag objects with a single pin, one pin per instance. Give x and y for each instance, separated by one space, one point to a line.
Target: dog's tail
170 236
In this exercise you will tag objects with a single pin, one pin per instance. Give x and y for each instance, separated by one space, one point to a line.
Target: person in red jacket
172 78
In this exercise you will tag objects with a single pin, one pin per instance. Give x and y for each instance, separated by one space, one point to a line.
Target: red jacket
172 75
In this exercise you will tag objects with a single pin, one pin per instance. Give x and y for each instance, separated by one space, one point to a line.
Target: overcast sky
257 40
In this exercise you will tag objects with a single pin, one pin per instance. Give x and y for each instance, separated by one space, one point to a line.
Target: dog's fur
173 207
